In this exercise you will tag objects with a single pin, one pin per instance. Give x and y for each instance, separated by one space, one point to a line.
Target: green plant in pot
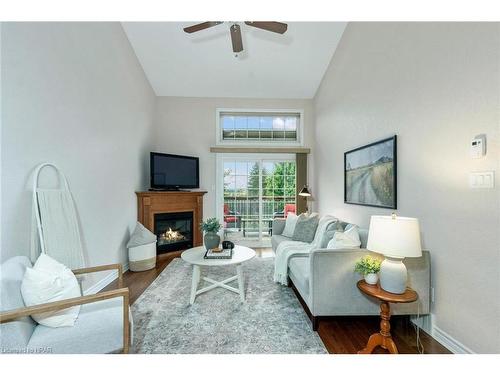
210 227
368 267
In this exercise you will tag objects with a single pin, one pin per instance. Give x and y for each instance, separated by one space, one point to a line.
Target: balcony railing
248 208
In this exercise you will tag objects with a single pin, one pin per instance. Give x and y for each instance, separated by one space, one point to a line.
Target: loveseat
326 281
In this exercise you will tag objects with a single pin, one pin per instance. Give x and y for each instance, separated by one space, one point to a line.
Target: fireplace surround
167 212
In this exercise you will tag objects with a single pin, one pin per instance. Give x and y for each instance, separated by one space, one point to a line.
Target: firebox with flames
170 236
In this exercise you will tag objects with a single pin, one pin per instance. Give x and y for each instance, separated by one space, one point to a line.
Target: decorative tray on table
218 253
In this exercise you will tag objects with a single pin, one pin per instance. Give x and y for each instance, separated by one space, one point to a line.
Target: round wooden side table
383 338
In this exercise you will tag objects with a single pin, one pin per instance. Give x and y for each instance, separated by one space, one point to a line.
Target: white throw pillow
349 239
50 281
291 221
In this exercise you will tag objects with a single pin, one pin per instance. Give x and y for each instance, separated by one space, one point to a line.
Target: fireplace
153 206
174 231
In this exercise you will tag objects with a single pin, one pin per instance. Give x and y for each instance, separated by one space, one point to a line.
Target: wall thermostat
478 146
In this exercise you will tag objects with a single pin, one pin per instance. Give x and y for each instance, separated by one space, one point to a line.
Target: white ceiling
202 64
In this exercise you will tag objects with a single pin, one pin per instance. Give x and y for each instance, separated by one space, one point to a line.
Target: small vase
371 278
211 239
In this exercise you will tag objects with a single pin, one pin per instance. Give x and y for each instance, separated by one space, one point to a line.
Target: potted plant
210 227
369 268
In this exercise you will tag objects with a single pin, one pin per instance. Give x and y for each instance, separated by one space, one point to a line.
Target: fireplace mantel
150 203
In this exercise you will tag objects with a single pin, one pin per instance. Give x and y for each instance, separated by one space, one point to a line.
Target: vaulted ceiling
202 64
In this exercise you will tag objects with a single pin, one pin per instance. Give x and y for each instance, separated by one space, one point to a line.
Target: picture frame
370 174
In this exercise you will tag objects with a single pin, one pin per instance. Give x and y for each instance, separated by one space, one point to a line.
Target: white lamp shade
394 236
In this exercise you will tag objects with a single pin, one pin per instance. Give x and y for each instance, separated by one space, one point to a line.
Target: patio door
253 189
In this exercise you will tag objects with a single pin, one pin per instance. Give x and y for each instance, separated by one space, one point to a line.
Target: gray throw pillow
328 236
330 230
305 229
342 225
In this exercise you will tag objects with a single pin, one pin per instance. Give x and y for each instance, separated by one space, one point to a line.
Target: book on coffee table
219 254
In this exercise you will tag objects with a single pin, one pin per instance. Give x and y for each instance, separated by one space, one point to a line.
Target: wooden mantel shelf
170 192
150 203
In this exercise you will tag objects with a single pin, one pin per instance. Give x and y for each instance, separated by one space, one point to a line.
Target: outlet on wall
433 296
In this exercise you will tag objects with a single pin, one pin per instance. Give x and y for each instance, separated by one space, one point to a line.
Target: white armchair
103 325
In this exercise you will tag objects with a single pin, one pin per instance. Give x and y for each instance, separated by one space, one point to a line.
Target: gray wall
187 126
435 86
74 94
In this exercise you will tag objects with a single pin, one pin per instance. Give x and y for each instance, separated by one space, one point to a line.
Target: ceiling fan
275 27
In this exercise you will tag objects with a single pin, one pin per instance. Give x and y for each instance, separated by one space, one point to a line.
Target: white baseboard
426 323
104 282
450 342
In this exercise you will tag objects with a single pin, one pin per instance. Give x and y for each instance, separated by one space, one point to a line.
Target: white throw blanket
287 249
284 252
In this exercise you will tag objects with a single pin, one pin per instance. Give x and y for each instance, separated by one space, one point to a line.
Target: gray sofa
326 281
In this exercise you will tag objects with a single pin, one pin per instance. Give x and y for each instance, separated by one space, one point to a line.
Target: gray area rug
270 321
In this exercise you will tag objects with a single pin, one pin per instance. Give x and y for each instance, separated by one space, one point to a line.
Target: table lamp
396 238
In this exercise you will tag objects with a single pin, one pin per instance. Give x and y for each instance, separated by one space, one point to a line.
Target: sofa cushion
290 223
348 239
16 334
341 226
278 226
363 237
327 237
98 329
276 239
299 274
330 229
305 229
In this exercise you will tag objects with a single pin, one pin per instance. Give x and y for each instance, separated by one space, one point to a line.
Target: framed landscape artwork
370 174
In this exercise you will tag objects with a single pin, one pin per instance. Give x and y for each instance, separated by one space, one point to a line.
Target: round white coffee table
195 256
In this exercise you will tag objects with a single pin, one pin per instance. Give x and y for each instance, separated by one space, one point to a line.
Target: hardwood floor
341 335
347 335
137 282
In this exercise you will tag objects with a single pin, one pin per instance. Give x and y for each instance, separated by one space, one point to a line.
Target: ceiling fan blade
236 38
201 26
275 27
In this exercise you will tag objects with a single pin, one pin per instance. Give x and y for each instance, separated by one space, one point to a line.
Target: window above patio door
263 128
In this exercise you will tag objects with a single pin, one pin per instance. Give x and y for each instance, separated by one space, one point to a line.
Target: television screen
174 171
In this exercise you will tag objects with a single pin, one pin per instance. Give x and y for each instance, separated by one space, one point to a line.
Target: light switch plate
482 180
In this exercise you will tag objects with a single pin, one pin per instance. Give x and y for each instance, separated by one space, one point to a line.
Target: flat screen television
174 172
